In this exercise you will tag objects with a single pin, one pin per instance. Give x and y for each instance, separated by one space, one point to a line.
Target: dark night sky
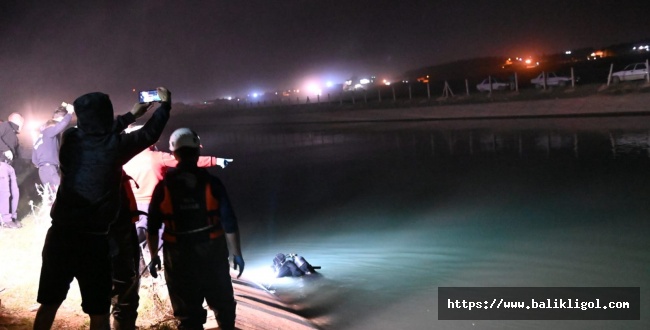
57 50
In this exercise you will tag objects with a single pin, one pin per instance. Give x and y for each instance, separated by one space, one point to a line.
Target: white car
484 86
635 71
551 80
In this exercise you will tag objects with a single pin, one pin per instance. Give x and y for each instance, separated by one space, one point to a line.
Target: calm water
392 211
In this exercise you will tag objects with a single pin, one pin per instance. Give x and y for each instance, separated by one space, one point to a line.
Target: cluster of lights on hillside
528 63
316 88
358 84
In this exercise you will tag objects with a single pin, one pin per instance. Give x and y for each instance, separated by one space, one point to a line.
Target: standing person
200 227
9 136
125 256
87 202
9 193
46 147
147 169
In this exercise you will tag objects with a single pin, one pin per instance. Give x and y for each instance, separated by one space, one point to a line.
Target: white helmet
17 119
184 137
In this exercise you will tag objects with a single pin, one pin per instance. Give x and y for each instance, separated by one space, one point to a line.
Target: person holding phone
87 203
45 155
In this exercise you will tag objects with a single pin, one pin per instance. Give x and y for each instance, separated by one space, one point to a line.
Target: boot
123 325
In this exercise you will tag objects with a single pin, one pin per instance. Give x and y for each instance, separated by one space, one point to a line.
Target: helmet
184 137
17 119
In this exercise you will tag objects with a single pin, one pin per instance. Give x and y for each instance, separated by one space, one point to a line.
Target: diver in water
292 265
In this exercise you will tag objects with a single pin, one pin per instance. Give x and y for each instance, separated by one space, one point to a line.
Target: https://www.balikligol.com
535 304
538 303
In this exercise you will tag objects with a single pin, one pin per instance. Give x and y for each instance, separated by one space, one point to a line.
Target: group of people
101 216
45 157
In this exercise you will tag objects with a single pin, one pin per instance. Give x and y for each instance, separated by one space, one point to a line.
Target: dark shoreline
624 100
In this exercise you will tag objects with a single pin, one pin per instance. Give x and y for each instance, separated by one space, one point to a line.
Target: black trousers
195 271
125 254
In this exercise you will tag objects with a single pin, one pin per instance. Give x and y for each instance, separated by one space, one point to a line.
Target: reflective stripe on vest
213 224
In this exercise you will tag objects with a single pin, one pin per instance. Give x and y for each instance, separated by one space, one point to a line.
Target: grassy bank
20 260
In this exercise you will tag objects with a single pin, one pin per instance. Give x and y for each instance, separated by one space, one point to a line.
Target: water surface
394 210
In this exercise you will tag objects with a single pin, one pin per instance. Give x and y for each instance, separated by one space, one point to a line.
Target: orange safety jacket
148 168
128 191
212 228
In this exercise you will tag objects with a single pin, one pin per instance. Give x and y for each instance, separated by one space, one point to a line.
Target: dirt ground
20 258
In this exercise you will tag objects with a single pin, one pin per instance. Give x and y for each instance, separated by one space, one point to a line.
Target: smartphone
149 96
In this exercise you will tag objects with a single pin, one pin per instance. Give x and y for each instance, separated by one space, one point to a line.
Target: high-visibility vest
133 206
211 230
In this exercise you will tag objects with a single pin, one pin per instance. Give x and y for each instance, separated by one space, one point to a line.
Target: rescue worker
291 265
46 147
87 203
9 193
125 255
200 228
147 169
284 266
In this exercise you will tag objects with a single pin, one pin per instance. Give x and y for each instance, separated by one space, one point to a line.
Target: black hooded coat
91 158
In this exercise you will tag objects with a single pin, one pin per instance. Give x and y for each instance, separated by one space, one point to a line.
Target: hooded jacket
8 139
91 159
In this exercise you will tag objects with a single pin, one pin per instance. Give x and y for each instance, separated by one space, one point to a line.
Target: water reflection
478 142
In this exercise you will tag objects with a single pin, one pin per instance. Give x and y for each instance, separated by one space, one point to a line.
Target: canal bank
625 100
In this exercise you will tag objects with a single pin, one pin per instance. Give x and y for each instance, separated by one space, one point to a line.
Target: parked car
635 71
552 79
484 86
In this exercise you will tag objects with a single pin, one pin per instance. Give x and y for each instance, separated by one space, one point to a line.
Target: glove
9 155
68 107
238 261
155 263
223 162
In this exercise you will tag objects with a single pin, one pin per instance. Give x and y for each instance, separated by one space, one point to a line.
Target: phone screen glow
149 96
